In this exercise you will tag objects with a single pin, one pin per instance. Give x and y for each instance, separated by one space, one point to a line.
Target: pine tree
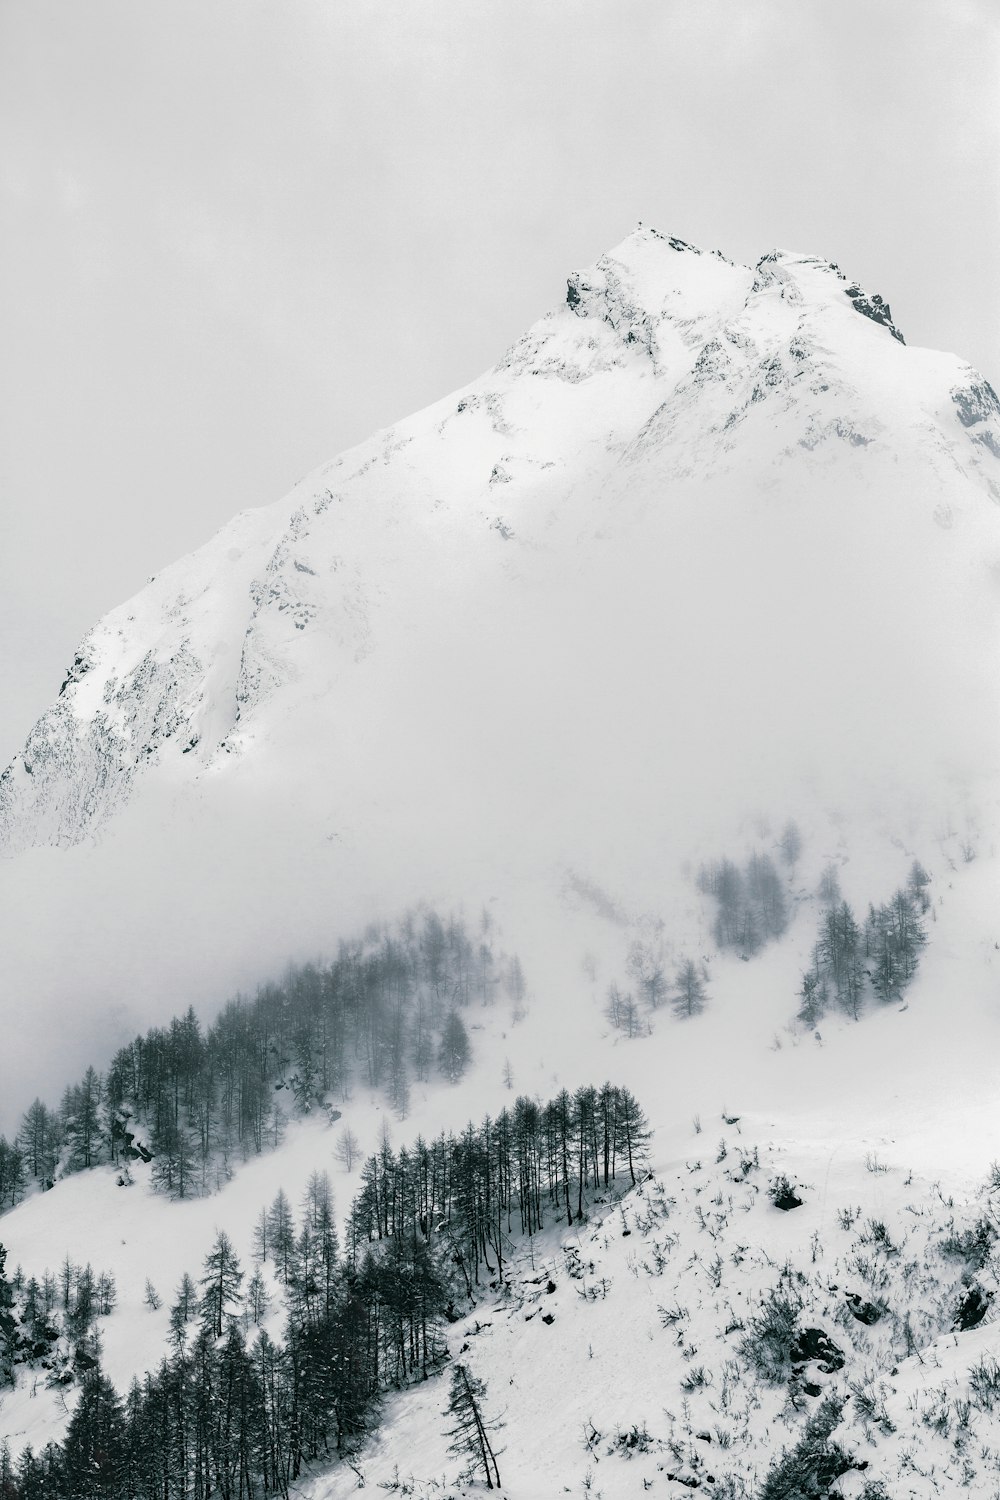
221 1284
813 995
7 1325
281 1231
470 1434
94 1449
917 883
632 1130
38 1139
454 1052
689 991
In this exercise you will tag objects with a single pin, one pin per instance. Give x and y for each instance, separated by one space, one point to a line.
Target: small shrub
877 1234
973 1244
783 1195
984 1382
633 1440
768 1341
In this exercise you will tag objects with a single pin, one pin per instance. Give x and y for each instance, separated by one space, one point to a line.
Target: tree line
193 1100
235 1413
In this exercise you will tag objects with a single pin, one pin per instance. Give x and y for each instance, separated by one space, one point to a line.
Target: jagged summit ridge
668 374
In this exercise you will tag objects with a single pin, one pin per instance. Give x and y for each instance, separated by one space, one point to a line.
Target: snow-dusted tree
107 1293
917 883
838 956
894 937
12 1180
470 1439
689 990
767 895
281 1229
347 1149
174 1160
95 1445
38 1139
622 1011
514 983
80 1122
645 965
631 1131
813 995
7 1325
257 1300
454 1051
221 1284
790 843
727 888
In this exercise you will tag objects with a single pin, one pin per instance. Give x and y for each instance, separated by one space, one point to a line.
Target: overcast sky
236 236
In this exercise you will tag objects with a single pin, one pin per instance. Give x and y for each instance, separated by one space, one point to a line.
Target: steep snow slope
708 547
705 486
615 1362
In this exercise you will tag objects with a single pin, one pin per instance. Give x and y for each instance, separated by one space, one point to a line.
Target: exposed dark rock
972 1309
977 402
865 1312
783 1195
813 1344
874 307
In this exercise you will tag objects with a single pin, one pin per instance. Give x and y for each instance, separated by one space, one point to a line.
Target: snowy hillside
664 656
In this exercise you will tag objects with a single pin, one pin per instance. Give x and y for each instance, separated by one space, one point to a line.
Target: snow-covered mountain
705 568
694 495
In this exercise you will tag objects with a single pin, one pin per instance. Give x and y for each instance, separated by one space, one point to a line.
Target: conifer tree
7 1325
470 1433
454 1052
689 990
94 1449
281 1231
221 1284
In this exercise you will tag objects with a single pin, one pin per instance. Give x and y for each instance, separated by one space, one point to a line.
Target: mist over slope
708 548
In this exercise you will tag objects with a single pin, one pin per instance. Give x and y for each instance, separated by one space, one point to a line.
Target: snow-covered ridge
666 368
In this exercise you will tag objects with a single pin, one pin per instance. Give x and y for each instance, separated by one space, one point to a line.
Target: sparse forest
752 903
852 961
196 1100
231 1411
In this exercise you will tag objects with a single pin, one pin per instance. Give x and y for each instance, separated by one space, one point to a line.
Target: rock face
639 467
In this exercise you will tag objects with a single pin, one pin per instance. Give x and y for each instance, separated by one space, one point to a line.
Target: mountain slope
717 478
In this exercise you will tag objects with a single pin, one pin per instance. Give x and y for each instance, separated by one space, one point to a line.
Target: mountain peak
671 374
650 274
813 278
